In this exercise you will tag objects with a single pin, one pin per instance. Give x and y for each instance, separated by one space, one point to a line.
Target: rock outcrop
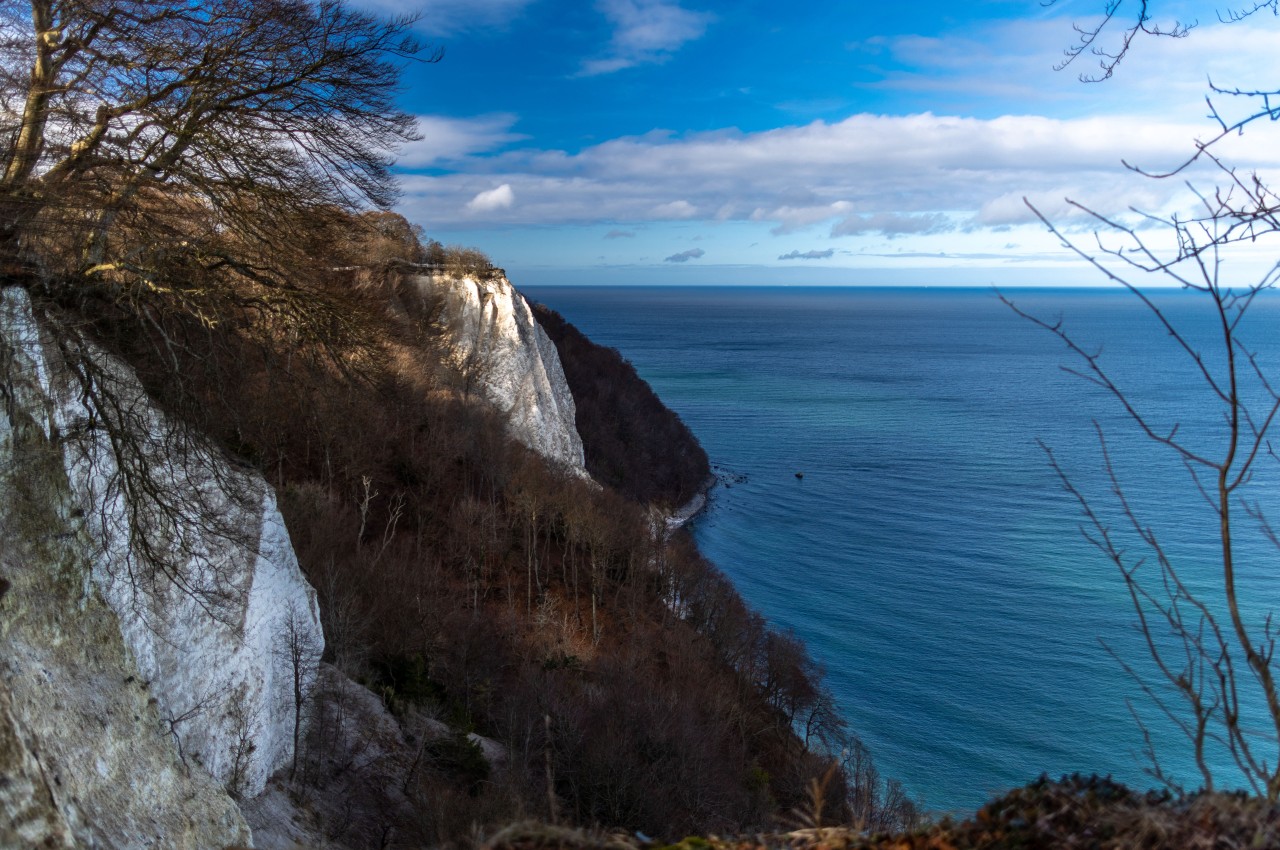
148 600
505 357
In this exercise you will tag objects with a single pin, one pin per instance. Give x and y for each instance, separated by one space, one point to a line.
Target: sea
888 492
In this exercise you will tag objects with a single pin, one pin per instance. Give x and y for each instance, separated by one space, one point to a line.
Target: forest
466 581
203 191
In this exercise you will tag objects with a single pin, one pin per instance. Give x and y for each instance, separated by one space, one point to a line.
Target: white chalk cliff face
504 356
131 698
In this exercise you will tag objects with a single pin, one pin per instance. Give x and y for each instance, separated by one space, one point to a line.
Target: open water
930 557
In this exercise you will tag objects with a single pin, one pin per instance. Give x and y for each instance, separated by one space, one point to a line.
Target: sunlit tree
144 136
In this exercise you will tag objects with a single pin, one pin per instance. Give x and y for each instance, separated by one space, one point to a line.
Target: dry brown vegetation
462 578
1074 813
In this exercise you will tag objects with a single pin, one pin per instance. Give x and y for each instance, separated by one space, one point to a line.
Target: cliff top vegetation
1073 813
632 441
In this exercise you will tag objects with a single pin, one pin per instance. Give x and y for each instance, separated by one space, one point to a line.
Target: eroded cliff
505 357
146 614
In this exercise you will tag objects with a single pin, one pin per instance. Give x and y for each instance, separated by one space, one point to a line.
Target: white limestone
504 356
188 670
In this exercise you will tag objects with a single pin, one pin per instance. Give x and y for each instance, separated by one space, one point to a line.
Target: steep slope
132 695
471 583
632 441
505 357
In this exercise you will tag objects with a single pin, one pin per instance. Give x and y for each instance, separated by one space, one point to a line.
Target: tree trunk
35 113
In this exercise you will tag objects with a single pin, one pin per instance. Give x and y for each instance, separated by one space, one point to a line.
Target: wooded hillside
186 185
633 442
466 581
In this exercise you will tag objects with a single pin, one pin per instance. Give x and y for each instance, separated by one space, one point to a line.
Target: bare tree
1125 22
1216 659
177 165
166 169
245 728
1213 676
241 112
297 650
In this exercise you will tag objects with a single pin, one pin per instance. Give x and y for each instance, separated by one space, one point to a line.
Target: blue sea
930 557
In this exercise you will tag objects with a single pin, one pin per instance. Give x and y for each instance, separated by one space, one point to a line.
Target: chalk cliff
505 357
142 693
132 696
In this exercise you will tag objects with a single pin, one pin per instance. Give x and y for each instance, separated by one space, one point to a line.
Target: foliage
631 440
462 759
405 677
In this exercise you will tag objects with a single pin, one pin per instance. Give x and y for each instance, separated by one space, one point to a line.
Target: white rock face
198 642
222 675
506 357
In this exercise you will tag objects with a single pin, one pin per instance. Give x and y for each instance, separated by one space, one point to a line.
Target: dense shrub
459 573
632 441
458 260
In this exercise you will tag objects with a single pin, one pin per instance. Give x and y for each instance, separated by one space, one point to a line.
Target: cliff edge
141 671
504 356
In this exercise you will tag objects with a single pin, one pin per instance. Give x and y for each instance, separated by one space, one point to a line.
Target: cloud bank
893 224
686 256
867 174
451 139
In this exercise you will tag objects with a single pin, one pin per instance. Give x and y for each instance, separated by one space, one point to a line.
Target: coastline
690 509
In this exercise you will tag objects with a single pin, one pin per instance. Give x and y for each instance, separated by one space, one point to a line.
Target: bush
632 441
462 758
459 261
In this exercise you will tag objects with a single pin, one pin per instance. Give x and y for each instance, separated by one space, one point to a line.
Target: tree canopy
140 131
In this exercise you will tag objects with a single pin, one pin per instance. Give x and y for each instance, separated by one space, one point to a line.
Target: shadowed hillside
536 646
633 442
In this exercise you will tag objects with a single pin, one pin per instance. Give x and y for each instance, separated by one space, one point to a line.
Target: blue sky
701 141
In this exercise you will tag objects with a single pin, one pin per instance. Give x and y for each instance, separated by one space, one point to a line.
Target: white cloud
1070 203
1014 62
675 209
796 218
644 31
808 255
492 200
975 170
445 139
595 67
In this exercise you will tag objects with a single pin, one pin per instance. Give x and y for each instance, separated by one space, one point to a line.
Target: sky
820 142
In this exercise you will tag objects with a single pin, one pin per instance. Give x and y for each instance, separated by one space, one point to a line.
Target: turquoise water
930 557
